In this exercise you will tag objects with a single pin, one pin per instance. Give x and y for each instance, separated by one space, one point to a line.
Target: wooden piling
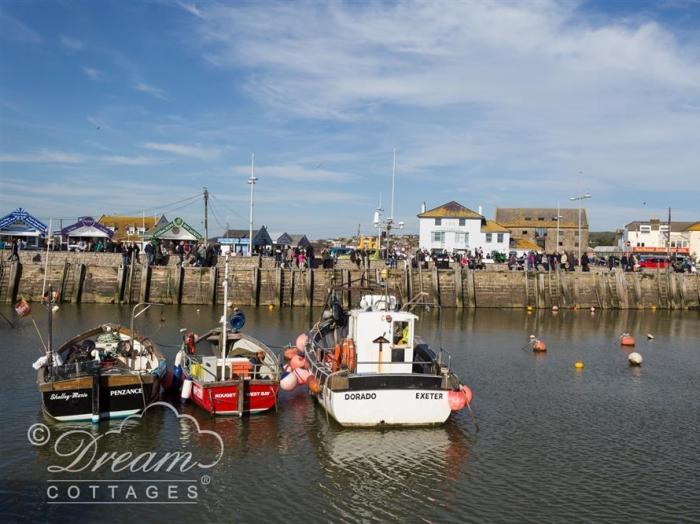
213 275
145 290
436 286
78 281
15 276
459 299
64 279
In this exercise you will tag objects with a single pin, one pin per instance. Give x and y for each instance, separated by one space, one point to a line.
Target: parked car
654 262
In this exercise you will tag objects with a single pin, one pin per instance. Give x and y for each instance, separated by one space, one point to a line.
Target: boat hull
117 397
386 407
223 398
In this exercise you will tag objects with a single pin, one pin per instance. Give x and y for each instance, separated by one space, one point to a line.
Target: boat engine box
207 373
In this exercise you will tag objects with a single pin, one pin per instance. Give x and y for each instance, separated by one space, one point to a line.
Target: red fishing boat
227 372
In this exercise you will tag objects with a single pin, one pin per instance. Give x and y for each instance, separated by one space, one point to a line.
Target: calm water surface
608 444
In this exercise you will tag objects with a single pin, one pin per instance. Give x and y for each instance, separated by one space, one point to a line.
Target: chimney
480 211
422 207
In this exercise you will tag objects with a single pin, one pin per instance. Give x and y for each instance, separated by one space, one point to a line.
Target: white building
652 237
454 227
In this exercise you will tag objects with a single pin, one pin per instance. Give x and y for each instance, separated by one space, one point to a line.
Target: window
438 221
438 237
461 240
576 232
489 236
527 219
561 243
541 219
576 244
524 232
462 221
645 229
141 230
499 238
131 230
662 228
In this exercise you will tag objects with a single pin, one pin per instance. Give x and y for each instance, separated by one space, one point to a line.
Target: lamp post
251 181
579 198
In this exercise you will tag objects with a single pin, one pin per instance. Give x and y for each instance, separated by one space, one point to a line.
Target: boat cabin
384 339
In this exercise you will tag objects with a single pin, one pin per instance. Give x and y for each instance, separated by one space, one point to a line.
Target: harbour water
610 443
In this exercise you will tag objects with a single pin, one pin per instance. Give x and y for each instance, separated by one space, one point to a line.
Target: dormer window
438 221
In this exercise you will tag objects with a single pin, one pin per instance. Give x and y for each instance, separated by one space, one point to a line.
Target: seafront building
550 229
453 227
652 236
130 228
21 224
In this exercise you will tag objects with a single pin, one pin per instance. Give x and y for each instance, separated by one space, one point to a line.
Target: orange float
627 340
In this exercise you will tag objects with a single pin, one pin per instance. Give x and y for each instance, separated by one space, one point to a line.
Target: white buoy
635 359
186 389
650 336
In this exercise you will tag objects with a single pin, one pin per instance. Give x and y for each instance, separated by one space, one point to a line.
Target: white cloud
154 91
71 43
122 160
43 157
297 173
14 29
62 157
522 90
196 151
191 9
92 73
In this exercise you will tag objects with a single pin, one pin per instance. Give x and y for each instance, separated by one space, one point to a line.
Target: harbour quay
256 281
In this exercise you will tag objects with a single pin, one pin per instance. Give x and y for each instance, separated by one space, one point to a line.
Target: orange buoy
297 361
627 340
290 353
302 375
468 395
456 399
314 385
538 345
301 341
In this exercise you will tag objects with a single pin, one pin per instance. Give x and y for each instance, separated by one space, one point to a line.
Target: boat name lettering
360 396
258 394
67 396
130 391
224 395
429 396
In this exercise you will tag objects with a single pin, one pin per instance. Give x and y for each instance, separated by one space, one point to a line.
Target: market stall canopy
87 227
178 229
20 223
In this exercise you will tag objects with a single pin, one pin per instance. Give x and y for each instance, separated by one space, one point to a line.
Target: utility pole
206 216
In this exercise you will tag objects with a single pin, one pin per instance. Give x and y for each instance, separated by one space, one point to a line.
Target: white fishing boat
370 368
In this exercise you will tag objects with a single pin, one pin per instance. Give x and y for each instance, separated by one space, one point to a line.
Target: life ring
349 354
337 356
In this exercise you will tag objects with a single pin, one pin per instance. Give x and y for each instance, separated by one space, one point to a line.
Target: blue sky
131 107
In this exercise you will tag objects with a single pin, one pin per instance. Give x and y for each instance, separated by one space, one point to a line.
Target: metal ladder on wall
663 285
2 277
531 288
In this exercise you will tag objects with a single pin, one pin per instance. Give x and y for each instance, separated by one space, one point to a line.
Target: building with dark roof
539 226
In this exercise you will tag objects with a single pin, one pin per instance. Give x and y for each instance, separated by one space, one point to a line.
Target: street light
251 181
579 198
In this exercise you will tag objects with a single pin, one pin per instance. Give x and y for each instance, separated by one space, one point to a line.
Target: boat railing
271 371
75 369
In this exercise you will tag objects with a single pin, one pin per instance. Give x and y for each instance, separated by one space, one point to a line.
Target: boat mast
223 320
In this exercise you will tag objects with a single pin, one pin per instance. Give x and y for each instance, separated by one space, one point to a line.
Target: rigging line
231 209
216 216
162 207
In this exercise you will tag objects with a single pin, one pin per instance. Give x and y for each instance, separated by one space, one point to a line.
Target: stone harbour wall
80 279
